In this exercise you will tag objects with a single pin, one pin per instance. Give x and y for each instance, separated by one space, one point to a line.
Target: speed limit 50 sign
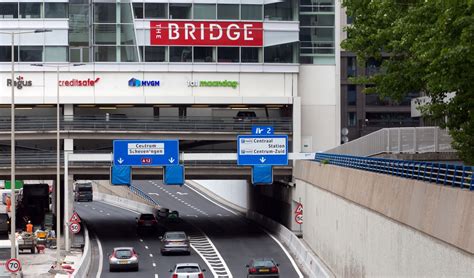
13 265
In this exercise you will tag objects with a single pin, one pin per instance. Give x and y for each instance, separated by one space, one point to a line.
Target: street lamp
13 179
58 158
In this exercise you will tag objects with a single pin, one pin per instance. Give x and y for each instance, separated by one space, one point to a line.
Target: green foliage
424 46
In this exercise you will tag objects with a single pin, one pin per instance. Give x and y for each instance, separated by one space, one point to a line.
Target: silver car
187 270
175 242
123 258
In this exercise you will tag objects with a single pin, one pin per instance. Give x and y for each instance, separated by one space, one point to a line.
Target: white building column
68 191
296 124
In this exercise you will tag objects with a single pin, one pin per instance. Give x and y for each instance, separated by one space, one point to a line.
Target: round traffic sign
13 265
75 227
299 218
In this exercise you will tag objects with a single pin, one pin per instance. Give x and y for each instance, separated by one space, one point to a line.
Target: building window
180 54
351 95
6 54
56 10
204 54
31 54
372 66
127 34
282 53
227 11
251 12
204 11
105 54
228 54
180 11
156 10
55 54
155 54
105 34
104 13
138 10
128 54
251 55
126 13
30 10
351 67
351 119
282 10
9 10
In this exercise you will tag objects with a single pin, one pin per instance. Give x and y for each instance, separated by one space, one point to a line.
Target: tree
423 46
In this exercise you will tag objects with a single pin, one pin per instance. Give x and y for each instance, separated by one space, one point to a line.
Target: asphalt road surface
234 239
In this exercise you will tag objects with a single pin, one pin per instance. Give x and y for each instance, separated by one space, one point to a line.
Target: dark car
146 222
265 267
245 116
175 242
123 258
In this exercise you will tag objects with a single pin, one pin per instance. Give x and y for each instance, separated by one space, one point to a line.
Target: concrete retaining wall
367 224
234 191
124 203
85 262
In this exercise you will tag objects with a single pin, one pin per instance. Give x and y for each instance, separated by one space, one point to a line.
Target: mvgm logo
145 83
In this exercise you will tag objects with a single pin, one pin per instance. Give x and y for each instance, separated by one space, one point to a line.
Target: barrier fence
142 194
446 174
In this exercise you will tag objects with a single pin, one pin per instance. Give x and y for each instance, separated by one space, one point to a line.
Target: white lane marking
151 255
93 208
108 213
109 204
212 201
101 258
154 265
192 215
293 263
153 193
219 214
86 205
181 193
146 246
141 240
101 211
156 275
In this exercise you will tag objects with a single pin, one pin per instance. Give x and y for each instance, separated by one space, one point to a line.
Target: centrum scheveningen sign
146 152
212 83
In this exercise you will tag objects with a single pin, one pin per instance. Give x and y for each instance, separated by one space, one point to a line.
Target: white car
187 270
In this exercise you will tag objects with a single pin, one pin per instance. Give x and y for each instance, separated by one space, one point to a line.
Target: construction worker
29 227
9 203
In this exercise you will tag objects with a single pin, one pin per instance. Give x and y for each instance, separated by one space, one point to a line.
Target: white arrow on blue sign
262 150
146 152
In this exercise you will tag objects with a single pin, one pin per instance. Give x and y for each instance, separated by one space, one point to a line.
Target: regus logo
133 82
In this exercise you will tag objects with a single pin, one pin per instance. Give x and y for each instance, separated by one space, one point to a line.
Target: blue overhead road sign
262 150
146 152
262 130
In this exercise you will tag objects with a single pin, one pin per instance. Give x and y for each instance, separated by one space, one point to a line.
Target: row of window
33 10
281 10
26 53
375 100
384 119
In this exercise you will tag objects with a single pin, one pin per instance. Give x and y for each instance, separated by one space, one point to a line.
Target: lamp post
12 143
58 157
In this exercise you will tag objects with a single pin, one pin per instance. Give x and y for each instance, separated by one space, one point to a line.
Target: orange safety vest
29 228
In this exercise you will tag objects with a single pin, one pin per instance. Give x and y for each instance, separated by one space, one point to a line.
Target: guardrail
71 123
439 173
398 140
85 262
142 194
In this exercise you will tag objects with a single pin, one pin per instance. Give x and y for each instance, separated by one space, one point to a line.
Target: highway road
223 241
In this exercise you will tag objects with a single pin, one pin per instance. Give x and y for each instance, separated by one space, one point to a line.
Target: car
187 270
245 116
175 242
123 258
263 267
173 216
146 221
163 213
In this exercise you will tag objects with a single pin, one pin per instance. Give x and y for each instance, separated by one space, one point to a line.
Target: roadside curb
85 262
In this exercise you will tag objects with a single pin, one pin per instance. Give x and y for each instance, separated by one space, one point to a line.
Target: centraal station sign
209 33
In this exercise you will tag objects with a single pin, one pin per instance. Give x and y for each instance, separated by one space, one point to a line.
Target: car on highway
146 222
123 258
263 267
175 242
187 270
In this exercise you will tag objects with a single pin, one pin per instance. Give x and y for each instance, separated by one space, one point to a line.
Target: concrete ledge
85 262
124 203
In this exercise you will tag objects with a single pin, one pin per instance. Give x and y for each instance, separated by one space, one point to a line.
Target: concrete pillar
68 146
296 125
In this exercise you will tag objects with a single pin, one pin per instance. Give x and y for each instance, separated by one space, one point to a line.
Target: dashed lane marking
146 246
151 255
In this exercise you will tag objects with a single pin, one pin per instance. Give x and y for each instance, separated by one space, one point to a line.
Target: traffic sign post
299 209
262 150
75 218
146 152
299 219
75 228
13 265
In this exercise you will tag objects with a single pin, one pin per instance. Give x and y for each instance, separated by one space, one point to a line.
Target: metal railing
137 191
398 140
439 173
74 123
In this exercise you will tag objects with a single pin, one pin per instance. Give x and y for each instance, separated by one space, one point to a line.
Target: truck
83 192
33 204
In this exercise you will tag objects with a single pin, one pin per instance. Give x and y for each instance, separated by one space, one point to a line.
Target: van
245 115
5 255
83 192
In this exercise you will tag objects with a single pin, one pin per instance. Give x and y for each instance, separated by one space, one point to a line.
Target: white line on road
181 193
156 275
93 208
153 193
151 255
101 258
212 201
101 211
108 213
219 214
192 215
141 240
300 275
154 265
146 246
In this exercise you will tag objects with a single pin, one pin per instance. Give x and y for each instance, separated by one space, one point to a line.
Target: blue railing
439 173
142 194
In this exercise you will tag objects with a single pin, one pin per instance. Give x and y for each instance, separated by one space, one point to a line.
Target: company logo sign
19 83
207 83
143 83
212 33
78 83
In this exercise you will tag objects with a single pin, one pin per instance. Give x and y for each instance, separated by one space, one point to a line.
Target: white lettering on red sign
209 33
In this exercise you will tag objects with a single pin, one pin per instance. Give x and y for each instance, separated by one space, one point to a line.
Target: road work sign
262 150
146 152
